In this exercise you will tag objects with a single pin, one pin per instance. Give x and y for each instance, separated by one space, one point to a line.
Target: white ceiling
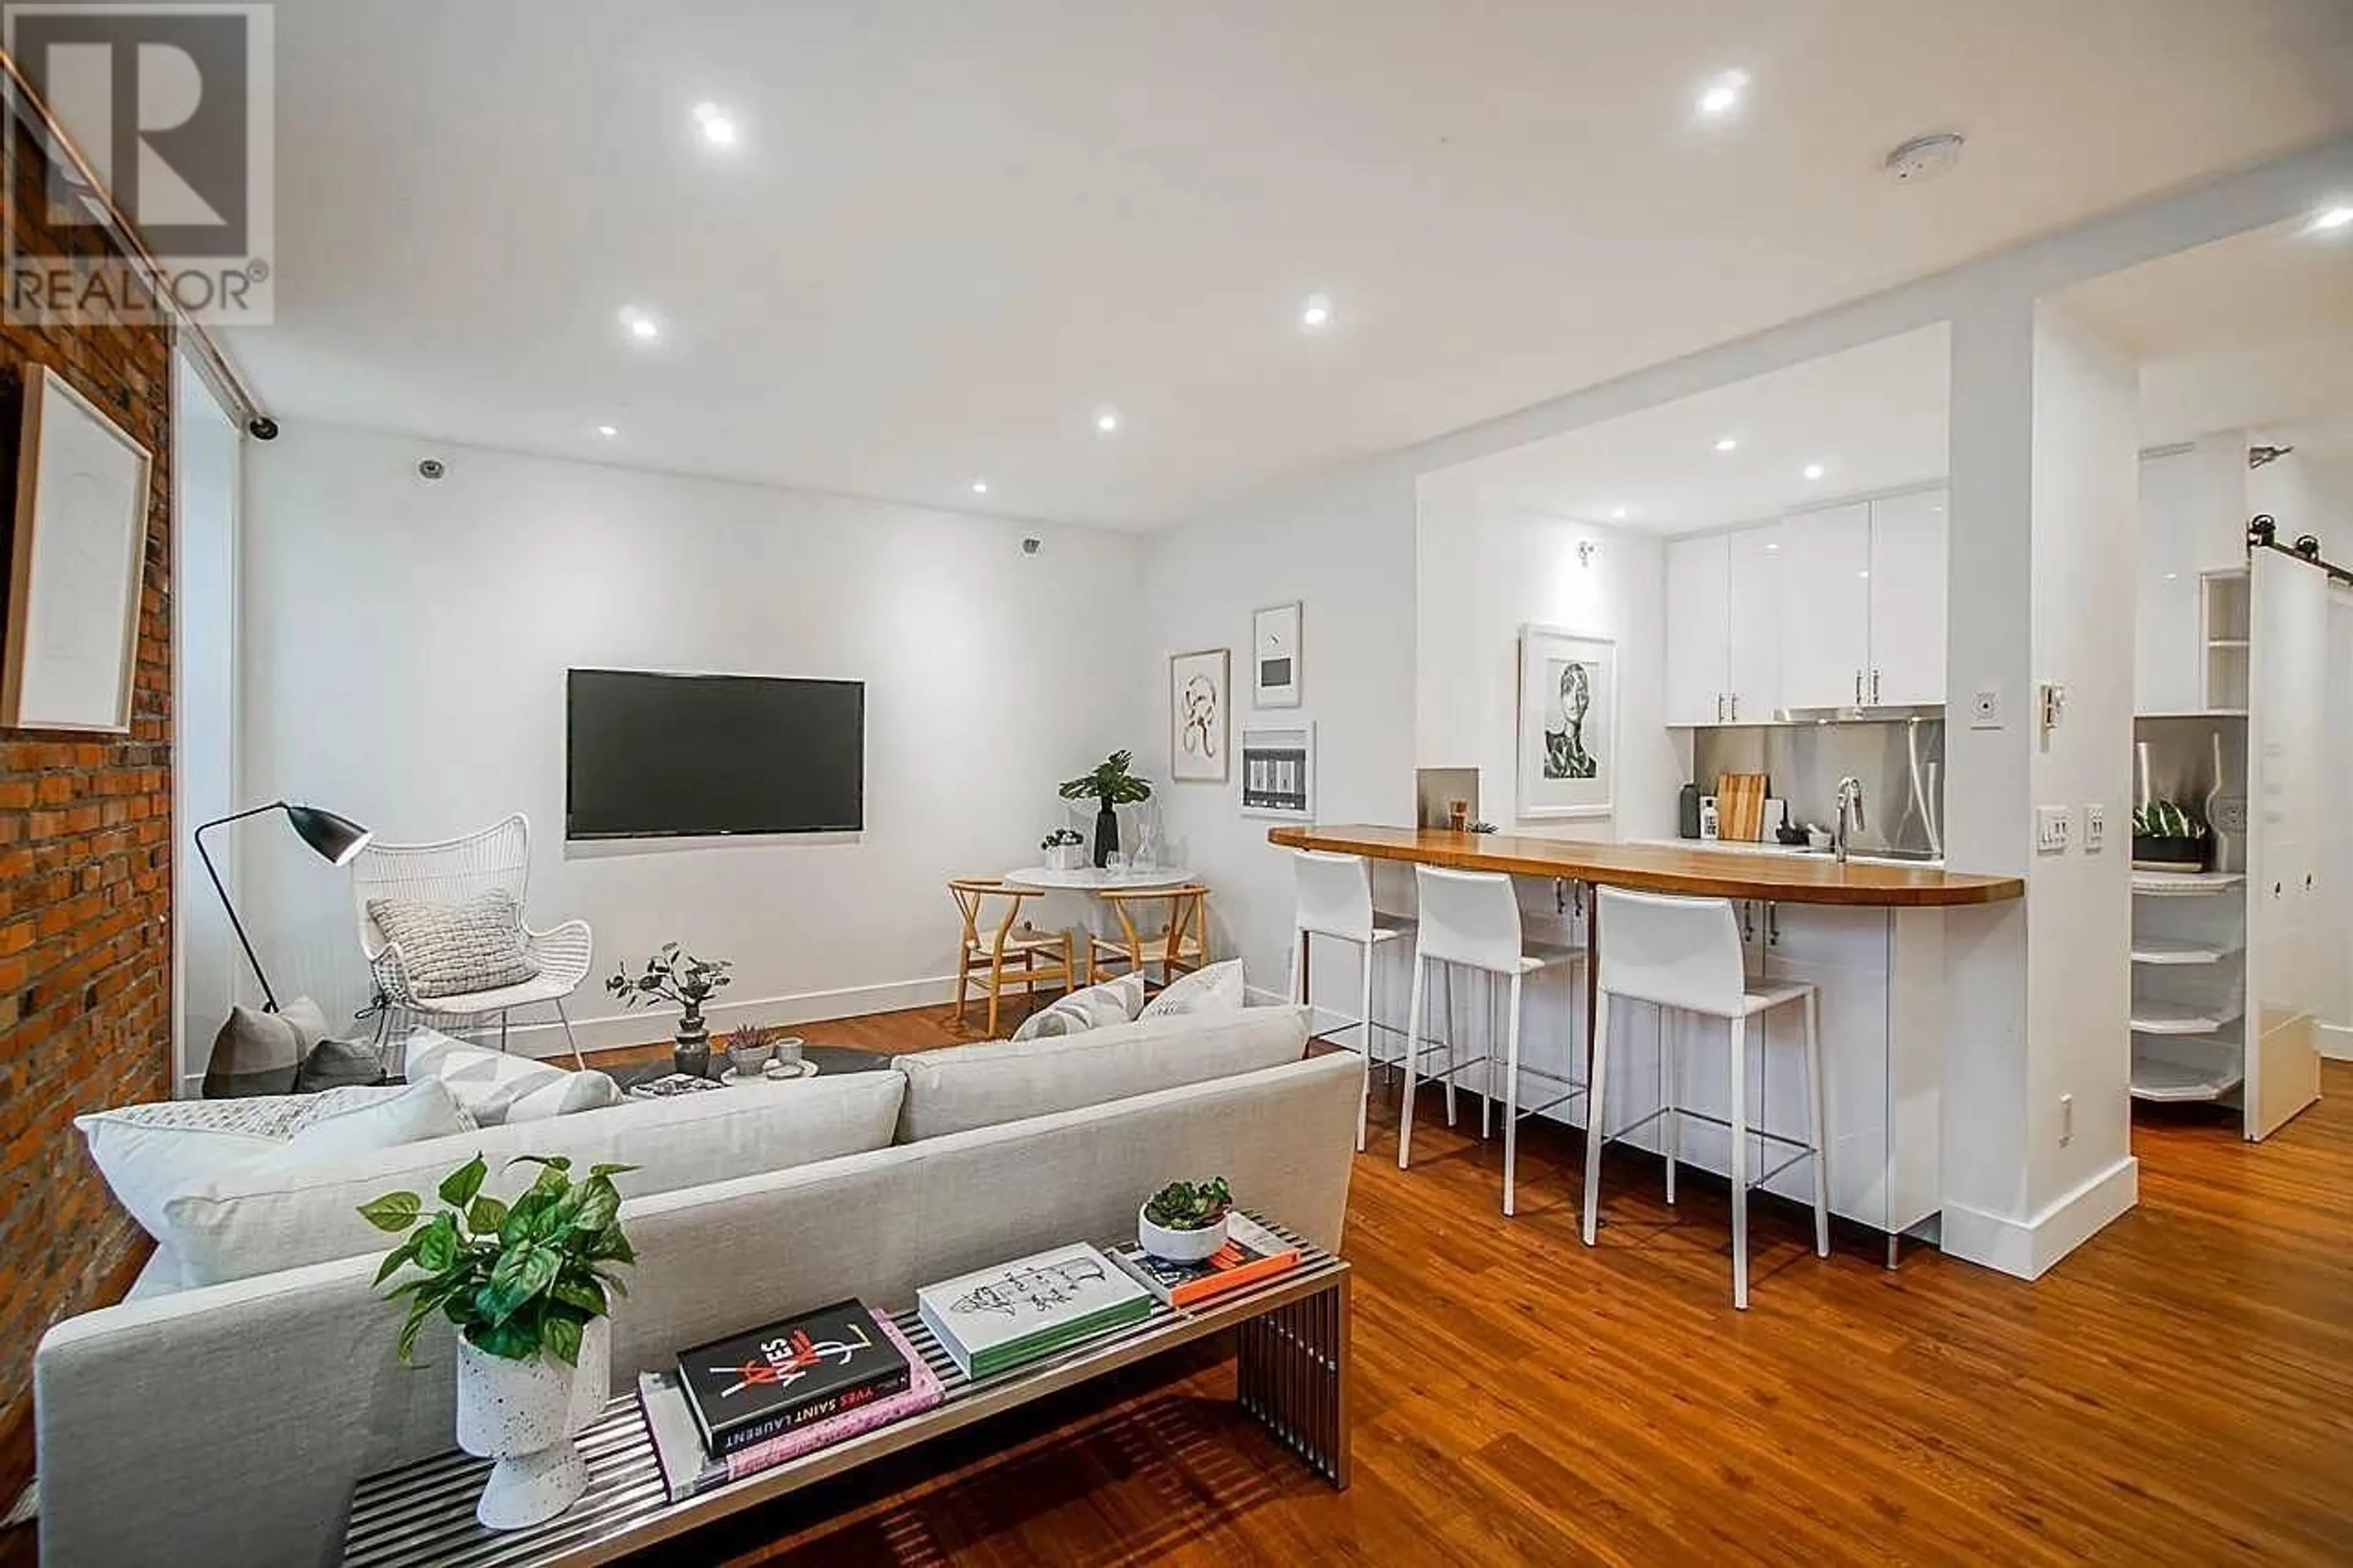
1873 418
955 229
2250 332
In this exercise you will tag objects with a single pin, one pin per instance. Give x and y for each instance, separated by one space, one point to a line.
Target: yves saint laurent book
749 1387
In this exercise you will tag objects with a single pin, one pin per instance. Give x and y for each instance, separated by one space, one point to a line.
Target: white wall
405 652
1488 566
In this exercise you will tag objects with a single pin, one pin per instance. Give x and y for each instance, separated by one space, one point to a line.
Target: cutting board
1740 807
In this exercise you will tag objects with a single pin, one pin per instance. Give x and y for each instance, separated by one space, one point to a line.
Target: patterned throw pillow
1216 989
1096 1008
449 950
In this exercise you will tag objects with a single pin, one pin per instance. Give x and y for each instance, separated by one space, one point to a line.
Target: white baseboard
2028 1247
534 1032
2337 1042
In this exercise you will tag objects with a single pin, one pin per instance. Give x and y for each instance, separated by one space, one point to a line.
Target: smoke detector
1924 157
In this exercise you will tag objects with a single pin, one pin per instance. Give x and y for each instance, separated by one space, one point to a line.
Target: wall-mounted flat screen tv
651 756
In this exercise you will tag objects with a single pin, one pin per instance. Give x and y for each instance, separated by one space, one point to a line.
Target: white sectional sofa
225 1423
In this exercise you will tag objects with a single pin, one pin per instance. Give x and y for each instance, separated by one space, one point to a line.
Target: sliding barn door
2287 729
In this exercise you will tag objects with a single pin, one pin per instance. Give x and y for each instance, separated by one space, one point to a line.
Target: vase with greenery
677 976
2166 833
1185 1222
1108 785
530 1286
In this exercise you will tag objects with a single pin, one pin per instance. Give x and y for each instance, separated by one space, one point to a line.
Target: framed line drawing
1199 716
1568 723
1278 769
79 561
1274 656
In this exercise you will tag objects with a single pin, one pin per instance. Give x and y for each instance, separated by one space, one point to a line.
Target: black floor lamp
336 838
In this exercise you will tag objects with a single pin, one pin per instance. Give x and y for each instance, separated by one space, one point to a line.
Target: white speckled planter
1179 1246
525 1414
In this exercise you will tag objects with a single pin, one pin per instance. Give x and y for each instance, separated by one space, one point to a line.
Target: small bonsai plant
677 976
1181 1205
759 1038
517 1278
1060 837
1108 785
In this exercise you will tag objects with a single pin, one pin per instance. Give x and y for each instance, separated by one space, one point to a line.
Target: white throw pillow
385 1119
449 950
1216 989
148 1153
487 1083
572 1091
1096 1008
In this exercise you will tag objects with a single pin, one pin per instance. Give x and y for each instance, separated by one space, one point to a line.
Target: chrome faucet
1849 814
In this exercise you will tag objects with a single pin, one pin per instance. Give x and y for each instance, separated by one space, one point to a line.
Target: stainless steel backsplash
1803 765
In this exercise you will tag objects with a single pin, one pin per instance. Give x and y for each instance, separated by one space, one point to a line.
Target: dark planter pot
1106 836
691 1049
2190 854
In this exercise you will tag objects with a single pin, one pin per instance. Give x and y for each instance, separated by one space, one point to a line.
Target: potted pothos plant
530 1285
1108 784
675 975
1185 1222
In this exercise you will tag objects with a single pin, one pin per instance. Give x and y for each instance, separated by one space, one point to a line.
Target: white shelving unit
2190 927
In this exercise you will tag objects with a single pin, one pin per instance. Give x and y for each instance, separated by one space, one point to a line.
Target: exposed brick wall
85 869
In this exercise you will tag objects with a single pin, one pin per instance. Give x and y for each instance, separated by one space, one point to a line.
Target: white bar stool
1473 918
1685 954
1336 901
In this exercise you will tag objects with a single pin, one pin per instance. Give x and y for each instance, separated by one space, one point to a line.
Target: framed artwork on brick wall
80 559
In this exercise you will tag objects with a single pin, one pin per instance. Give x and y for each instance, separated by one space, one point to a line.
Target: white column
2038 1059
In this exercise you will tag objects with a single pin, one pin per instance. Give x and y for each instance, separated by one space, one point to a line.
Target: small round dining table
1090 879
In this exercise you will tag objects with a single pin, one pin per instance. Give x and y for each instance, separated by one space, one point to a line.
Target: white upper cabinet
1826 607
1754 639
1698 631
1907 600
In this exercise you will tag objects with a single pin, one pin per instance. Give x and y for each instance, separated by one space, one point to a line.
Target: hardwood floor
2180 1391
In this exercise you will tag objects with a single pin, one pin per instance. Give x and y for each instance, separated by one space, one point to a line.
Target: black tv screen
651 756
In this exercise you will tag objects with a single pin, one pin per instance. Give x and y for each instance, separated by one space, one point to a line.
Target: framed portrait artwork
1199 716
1278 769
1568 723
79 562
1275 656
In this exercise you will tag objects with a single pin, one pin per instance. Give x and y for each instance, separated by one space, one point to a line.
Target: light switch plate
2051 823
2095 828
1985 709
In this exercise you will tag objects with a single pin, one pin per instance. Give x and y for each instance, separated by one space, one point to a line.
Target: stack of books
749 1402
1251 1255
996 1318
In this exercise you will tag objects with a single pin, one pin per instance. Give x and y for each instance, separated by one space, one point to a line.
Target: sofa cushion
1216 989
963 1087
257 1217
453 949
1095 1008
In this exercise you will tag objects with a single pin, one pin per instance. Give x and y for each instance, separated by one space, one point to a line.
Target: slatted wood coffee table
1292 1357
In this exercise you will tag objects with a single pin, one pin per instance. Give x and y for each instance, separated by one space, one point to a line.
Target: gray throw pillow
338 1063
450 949
257 1052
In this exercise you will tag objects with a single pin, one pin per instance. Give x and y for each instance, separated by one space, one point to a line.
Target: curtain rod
211 366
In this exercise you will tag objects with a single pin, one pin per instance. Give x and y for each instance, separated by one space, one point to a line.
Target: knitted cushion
449 950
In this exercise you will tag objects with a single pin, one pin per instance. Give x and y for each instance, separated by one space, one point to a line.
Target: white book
1001 1316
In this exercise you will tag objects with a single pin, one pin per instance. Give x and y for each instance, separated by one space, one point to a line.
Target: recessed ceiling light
718 125
2334 217
1316 313
1722 95
608 431
1815 470
639 324
980 487
1617 514
1107 420
1772 550
1727 445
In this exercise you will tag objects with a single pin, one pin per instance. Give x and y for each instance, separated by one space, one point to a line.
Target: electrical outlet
2051 823
2230 813
2067 1119
2095 828
1985 709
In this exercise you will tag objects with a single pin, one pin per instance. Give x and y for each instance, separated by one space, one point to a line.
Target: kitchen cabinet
1723 627
1826 607
1907 601
1862 604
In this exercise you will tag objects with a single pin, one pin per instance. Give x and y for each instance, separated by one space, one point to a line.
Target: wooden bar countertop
1657 868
